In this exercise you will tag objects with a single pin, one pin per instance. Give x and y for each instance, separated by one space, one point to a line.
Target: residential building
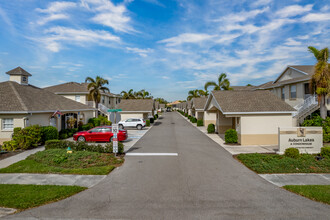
22 104
255 115
136 108
197 107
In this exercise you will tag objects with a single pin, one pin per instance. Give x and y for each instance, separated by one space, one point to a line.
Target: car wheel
110 139
121 126
81 139
139 127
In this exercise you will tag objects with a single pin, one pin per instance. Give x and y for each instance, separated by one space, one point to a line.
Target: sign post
115 139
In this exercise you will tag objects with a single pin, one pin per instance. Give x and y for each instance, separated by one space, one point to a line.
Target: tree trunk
97 109
323 107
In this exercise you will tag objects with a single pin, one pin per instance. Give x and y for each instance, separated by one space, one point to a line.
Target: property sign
114 138
305 139
114 110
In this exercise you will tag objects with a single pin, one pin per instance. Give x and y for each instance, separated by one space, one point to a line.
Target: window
293 92
77 98
307 90
24 79
102 99
7 124
282 93
109 101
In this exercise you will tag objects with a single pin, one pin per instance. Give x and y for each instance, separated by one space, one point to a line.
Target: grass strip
28 196
57 161
273 163
320 193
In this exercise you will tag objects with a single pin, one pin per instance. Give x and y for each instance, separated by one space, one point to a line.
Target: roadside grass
320 193
273 163
28 196
60 162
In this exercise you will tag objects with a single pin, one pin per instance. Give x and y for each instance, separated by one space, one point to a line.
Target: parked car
100 133
138 123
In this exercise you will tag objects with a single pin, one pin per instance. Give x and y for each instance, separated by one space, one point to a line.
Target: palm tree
203 93
95 88
193 94
321 77
223 83
143 94
128 95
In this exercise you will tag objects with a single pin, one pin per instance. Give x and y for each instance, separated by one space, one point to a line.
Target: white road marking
151 154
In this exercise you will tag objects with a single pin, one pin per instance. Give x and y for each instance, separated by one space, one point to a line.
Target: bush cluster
292 153
181 112
147 123
320 122
100 120
325 152
200 122
231 136
193 119
49 133
211 128
186 114
66 133
82 146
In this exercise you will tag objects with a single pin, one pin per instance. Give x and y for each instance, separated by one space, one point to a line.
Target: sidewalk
297 179
51 179
235 149
22 156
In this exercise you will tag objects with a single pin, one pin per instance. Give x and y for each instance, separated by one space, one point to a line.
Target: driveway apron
202 182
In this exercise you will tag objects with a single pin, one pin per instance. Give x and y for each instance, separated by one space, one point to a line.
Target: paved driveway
202 182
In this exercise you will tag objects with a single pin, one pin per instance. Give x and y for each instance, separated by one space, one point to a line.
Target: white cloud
292 42
316 17
109 14
55 11
294 10
59 35
187 38
165 77
141 52
261 3
242 16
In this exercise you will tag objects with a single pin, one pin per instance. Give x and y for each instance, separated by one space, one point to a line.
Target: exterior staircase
306 108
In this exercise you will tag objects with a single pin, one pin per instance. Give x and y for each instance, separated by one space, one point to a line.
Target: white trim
47 111
253 113
298 70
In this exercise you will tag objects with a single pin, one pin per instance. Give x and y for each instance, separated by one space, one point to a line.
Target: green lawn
58 161
319 193
273 163
28 196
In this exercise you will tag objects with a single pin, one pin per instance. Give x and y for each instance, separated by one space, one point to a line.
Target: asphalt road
202 182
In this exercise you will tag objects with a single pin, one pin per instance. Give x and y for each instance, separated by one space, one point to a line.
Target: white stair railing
305 106
103 108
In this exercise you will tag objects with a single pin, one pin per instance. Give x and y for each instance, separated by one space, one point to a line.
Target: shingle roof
250 101
264 85
70 87
199 103
188 105
288 81
18 71
28 98
309 69
243 87
136 105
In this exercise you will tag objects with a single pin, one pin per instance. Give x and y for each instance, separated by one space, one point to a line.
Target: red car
101 133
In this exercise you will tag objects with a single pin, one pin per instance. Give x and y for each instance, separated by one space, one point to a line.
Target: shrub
95 121
325 152
193 120
82 146
200 122
189 117
88 126
151 120
292 152
10 145
211 128
66 133
48 133
231 136
147 123
186 114
104 120
27 137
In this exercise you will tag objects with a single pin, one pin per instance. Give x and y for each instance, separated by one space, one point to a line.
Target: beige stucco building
136 108
22 104
255 115
197 107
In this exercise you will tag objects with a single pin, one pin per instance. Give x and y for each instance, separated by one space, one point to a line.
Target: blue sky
167 47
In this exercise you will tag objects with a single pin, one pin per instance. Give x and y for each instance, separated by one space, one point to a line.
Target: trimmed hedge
292 153
231 136
186 114
49 133
200 122
147 123
211 128
82 146
193 120
66 133
325 152
28 137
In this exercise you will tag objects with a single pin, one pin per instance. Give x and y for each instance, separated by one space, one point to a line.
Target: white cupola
19 75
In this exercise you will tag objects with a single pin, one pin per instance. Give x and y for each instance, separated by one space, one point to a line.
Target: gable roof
243 87
247 102
18 71
308 70
27 98
199 103
71 87
136 105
